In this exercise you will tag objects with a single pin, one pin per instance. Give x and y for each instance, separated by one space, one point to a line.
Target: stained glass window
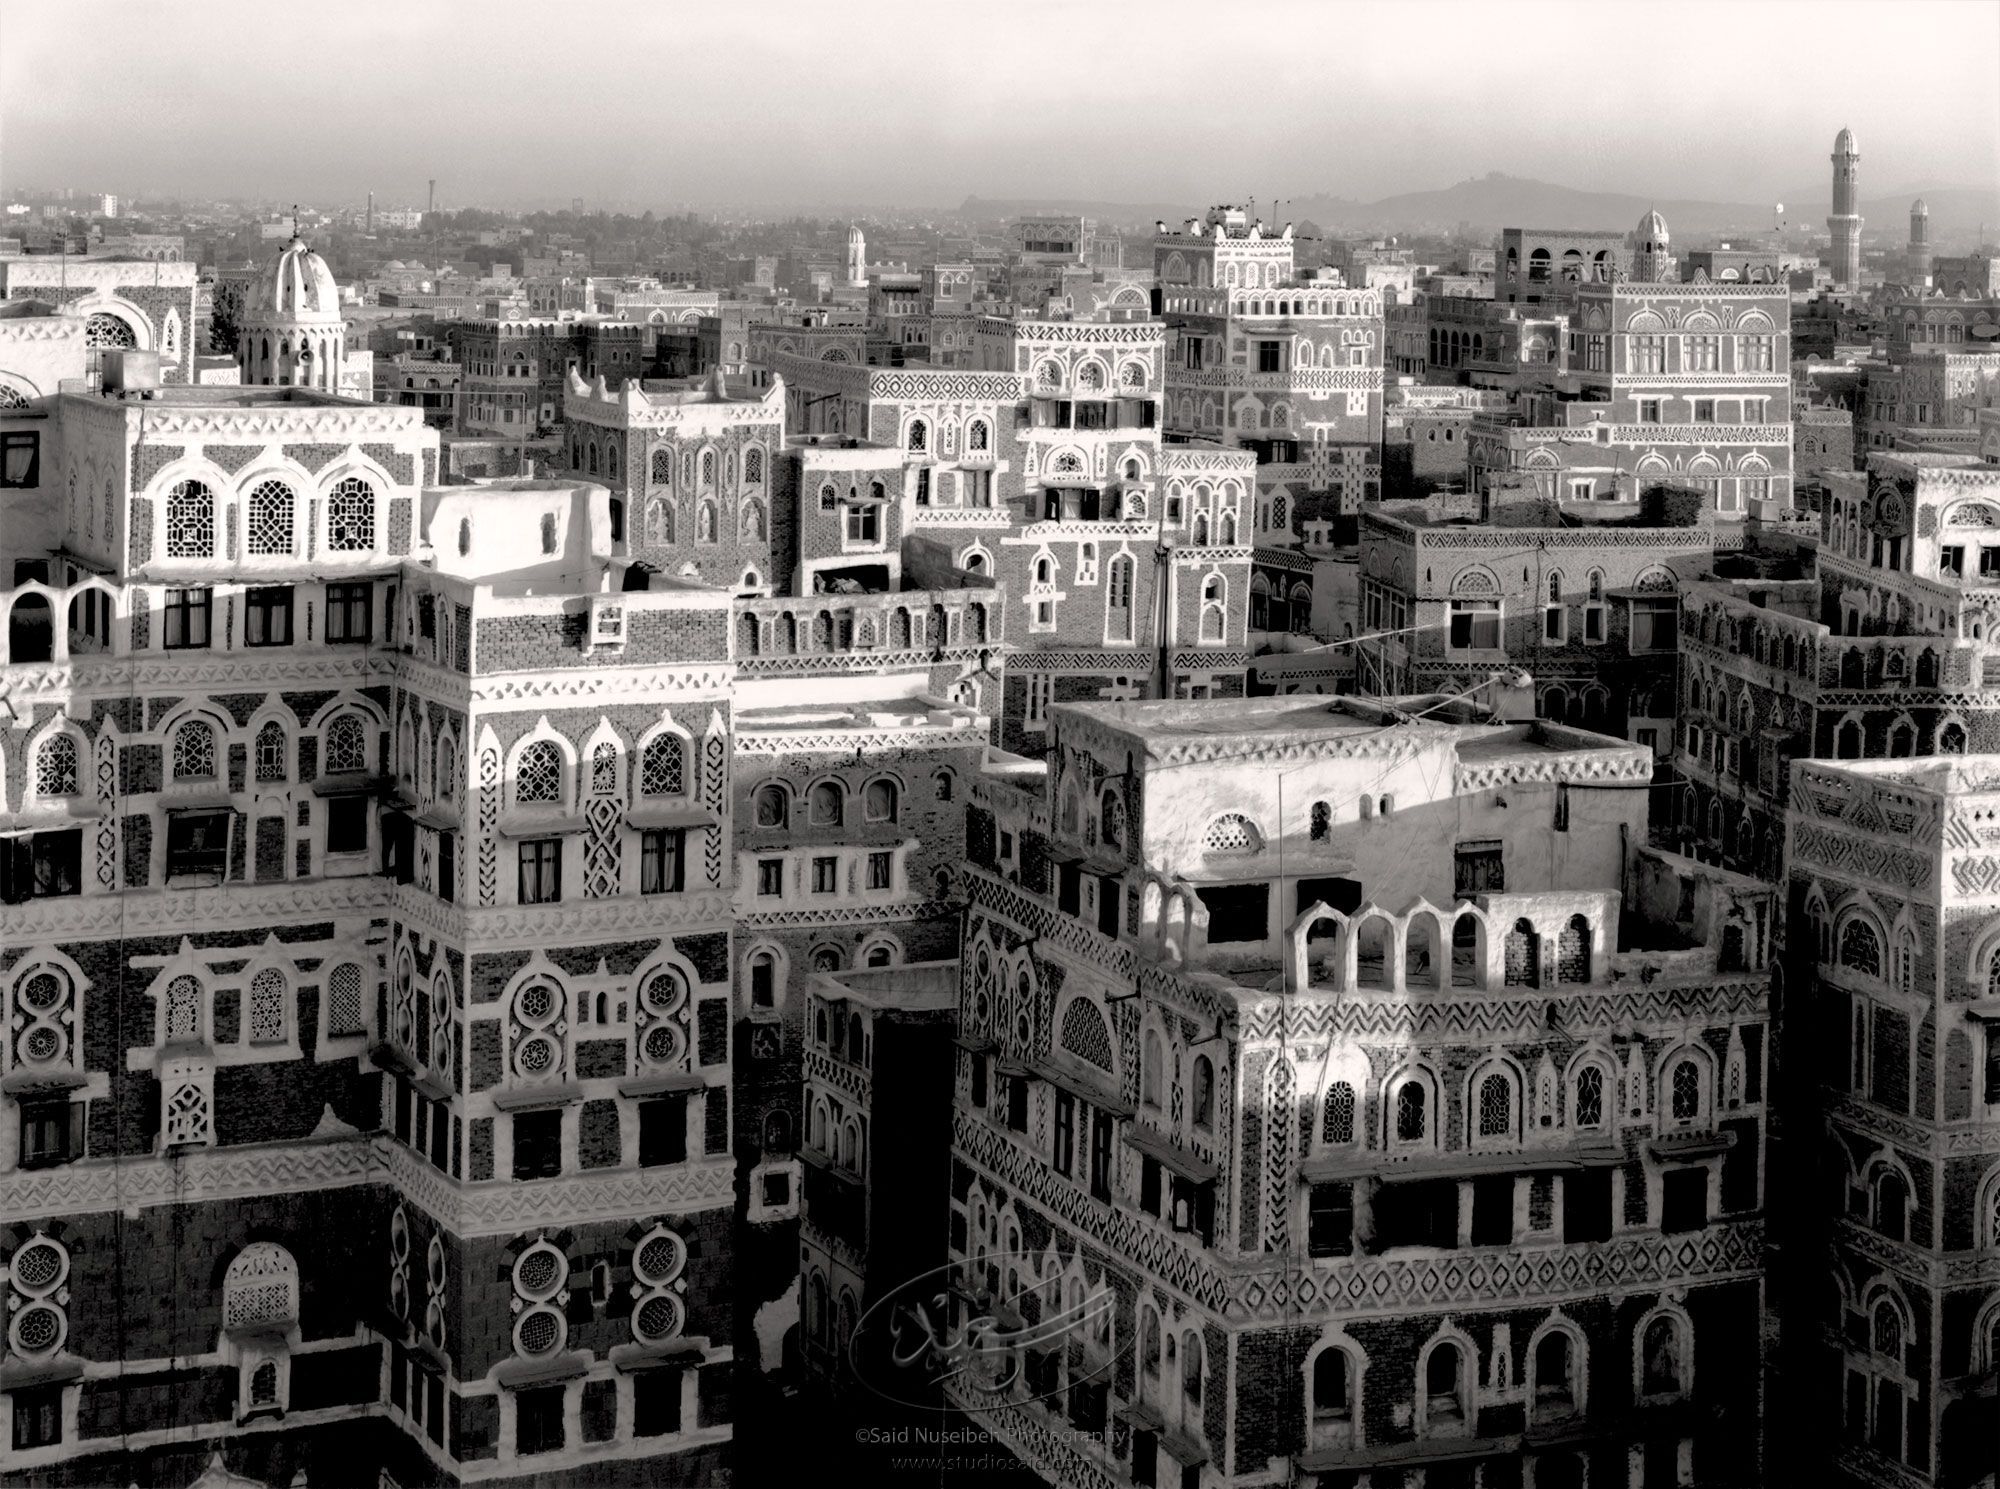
267 1007
183 1021
271 752
346 746
1496 1106
1337 1117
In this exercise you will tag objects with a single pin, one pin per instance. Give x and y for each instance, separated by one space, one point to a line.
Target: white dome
1843 143
1651 232
297 286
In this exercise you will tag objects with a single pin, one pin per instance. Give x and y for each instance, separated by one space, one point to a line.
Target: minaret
1845 223
1917 262
857 257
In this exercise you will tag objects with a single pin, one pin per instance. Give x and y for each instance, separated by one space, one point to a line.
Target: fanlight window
1860 949
1084 1034
261 1288
1337 1114
774 806
110 332
271 752
1232 833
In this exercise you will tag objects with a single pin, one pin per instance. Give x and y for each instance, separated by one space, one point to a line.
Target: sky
761 104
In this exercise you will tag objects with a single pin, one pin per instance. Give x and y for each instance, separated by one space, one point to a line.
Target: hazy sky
923 102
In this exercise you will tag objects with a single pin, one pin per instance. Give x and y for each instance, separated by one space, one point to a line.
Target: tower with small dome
1652 251
1845 223
291 332
857 257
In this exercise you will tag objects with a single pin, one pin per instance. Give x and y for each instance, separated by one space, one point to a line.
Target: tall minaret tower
857 257
1845 223
1917 262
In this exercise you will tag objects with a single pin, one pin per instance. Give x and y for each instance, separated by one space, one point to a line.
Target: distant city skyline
1065 101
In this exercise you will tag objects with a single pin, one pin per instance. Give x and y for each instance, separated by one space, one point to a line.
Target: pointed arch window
663 768
56 766
190 521
538 774
268 524
194 751
350 517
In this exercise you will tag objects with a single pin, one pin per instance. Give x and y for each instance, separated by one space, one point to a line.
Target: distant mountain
1488 203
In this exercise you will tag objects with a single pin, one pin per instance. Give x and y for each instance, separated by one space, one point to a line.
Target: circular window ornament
38 1329
539 1331
657 1318
399 1295
664 993
399 1235
537 1004
40 1045
540 1272
39 1267
659 1258
536 1055
434 1264
43 991
663 1044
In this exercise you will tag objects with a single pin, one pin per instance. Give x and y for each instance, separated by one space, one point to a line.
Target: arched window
1889 1201
56 766
1555 1374
350 517
345 746
878 801
1150 1057
920 437
194 751
1412 1103
1587 1097
1444 1402
663 767
273 754
663 467
1337 1115
110 332
1662 1351
268 1021
1860 948
190 521
260 1289
268 521
1111 820
828 803
753 466
1085 1034
538 773
773 806
1332 1387
1496 1106
1203 1092
1684 1091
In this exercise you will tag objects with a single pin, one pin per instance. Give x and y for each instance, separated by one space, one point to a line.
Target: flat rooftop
1304 719
209 395
868 713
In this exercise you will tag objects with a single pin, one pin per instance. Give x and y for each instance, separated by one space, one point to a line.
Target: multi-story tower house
1269 1180
1917 257
1884 656
1538 264
1588 610
875 1151
1265 358
1845 222
1891 1040
1123 563
1694 385
690 469
365 957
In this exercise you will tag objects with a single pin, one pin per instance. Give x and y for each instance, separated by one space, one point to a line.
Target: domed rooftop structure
290 332
1843 143
1651 233
1920 208
295 286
